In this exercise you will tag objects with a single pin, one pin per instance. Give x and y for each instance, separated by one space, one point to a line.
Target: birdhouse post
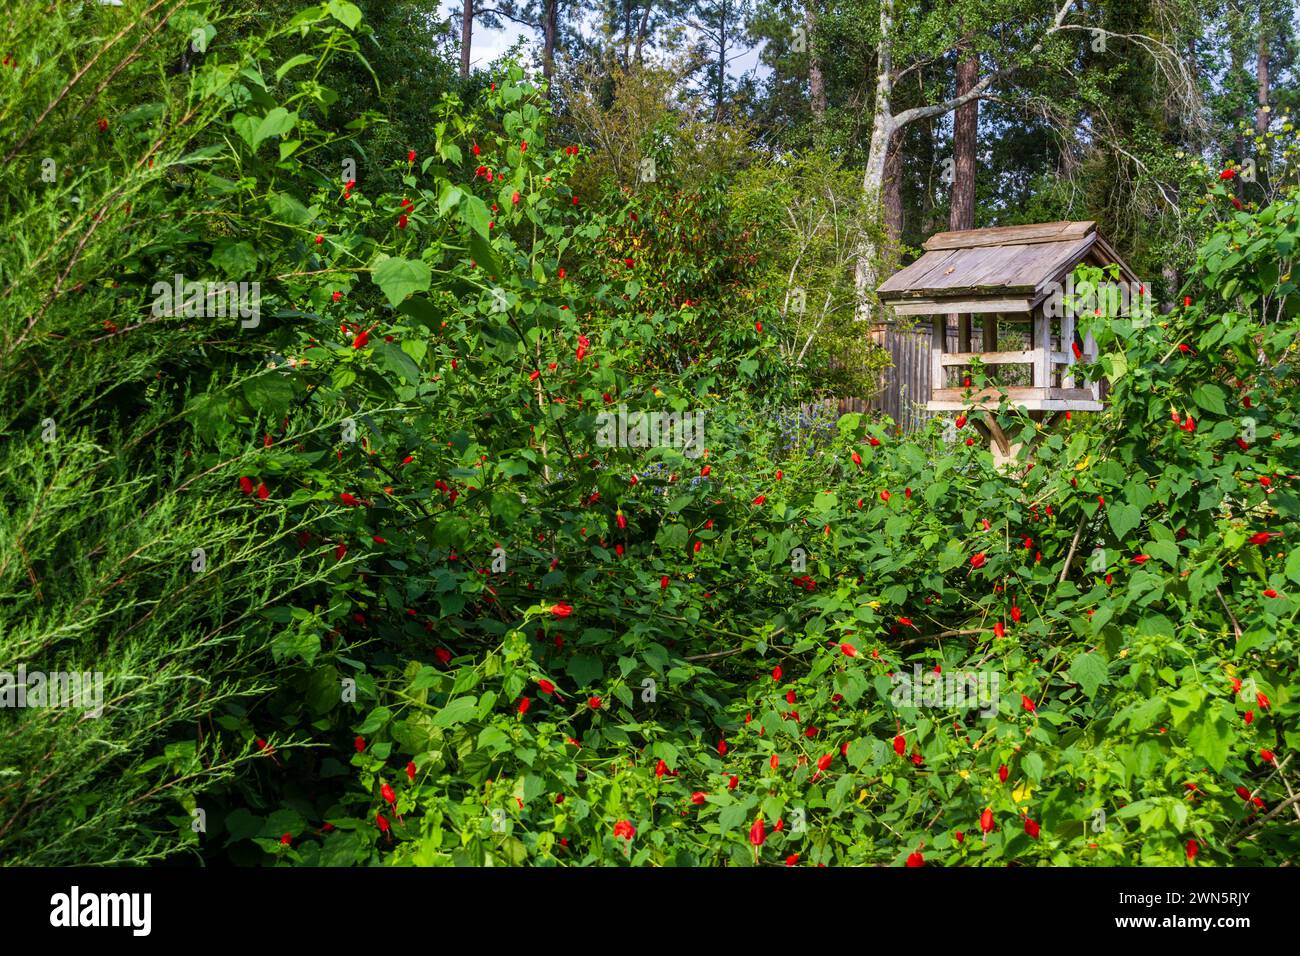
1013 282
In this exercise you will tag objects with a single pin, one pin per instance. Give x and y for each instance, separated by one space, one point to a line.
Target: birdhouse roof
1004 268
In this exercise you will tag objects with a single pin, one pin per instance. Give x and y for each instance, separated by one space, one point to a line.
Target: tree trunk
867 269
641 30
816 82
1261 77
720 86
893 191
466 35
549 30
965 137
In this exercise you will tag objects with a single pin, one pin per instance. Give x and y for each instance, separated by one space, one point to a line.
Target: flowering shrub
459 622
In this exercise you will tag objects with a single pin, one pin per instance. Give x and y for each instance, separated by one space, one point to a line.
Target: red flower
1267 756
848 650
1270 593
959 836
884 496
733 782
915 859
900 745
757 833
360 744
620 520
1002 773
1028 704
758 327
1193 848
1261 537
790 697
387 793
514 198
824 761
340 551
1141 558
986 821
776 673
378 539
722 748
661 768
1249 717
1031 828
361 340
698 797
561 610
1243 792
1227 174
593 703
792 859
624 829
663 582
1261 698
262 492
546 686
524 704
977 560
1078 354
760 499
287 839
349 499
246 485
999 629
410 771
1015 615
443 655
873 442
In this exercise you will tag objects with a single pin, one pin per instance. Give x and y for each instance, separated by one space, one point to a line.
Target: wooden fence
905 385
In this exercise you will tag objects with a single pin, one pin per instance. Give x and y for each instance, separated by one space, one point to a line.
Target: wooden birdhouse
1000 295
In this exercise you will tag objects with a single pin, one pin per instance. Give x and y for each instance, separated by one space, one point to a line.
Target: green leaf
398 278
1209 397
275 123
1088 670
292 62
1123 518
475 214
456 712
345 13
1210 739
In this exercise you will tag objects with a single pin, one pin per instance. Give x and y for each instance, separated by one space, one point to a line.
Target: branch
979 89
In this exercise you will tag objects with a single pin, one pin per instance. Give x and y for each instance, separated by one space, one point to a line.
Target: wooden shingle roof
1005 268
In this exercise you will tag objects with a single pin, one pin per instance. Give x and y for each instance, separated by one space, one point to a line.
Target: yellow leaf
1022 793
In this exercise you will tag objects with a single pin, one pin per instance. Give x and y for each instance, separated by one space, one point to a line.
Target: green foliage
456 607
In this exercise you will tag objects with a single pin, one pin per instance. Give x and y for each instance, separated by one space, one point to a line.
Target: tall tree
965 136
721 28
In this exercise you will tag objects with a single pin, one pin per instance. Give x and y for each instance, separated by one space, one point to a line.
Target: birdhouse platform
1006 291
